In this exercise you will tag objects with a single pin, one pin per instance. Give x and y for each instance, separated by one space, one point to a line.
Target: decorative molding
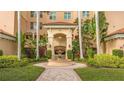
59 26
114 37
7 37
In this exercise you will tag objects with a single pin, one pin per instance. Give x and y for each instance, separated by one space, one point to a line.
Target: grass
100 74
26 73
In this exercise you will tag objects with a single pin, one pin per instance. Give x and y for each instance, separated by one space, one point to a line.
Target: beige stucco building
8 29
115 38
59 27
7 36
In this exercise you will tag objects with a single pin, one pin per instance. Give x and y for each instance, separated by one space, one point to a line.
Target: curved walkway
55 73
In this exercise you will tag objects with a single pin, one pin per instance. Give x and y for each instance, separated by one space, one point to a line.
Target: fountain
59 57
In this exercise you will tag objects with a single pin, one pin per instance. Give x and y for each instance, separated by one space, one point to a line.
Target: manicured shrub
121 65
90 53
7 61
41 59
117 52
69 54
91 62
1 52
23 62
12 61
42 51
30 52
49 54
44 59
105 60
83 60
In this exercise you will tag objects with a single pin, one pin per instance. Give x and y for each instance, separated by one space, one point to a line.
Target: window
67 15
33 26
33 13
40 25
52 16
85 13
41 14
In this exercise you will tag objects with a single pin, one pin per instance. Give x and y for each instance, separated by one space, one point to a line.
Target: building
7 35
115 33
59 27
8 29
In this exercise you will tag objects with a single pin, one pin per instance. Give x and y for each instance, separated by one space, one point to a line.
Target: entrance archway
59 41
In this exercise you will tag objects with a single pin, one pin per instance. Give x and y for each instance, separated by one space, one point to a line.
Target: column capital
68 36
50 36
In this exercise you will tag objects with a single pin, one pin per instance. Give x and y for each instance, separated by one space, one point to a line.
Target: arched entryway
59 43
59 37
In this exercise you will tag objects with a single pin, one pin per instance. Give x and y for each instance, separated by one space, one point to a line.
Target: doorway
59 46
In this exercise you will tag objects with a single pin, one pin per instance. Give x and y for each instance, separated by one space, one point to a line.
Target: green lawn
100 74
26 73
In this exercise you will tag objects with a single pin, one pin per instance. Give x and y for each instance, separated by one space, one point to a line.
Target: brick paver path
59 73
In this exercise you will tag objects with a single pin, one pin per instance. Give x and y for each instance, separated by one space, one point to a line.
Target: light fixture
59 37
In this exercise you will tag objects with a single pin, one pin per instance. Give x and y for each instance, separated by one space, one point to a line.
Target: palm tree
88 33
75 48
43 41
89 29
22 41
103 27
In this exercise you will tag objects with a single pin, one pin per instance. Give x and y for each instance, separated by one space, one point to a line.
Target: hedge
117 52
69 54
90 53
105 60
49 54
30 52
12 61
1 52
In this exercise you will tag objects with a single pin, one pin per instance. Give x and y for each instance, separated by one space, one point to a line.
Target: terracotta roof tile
6 33
120 31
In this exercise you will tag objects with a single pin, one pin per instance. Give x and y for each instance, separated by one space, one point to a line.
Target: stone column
68 41
51 45
66 46
50 42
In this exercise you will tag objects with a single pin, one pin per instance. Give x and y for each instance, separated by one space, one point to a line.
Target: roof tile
120 31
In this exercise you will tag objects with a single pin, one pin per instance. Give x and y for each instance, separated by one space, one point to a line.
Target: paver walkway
65 73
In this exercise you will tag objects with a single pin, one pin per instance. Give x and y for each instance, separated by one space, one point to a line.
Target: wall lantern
50 46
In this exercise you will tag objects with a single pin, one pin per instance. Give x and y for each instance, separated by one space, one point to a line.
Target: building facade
115 32
59 27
